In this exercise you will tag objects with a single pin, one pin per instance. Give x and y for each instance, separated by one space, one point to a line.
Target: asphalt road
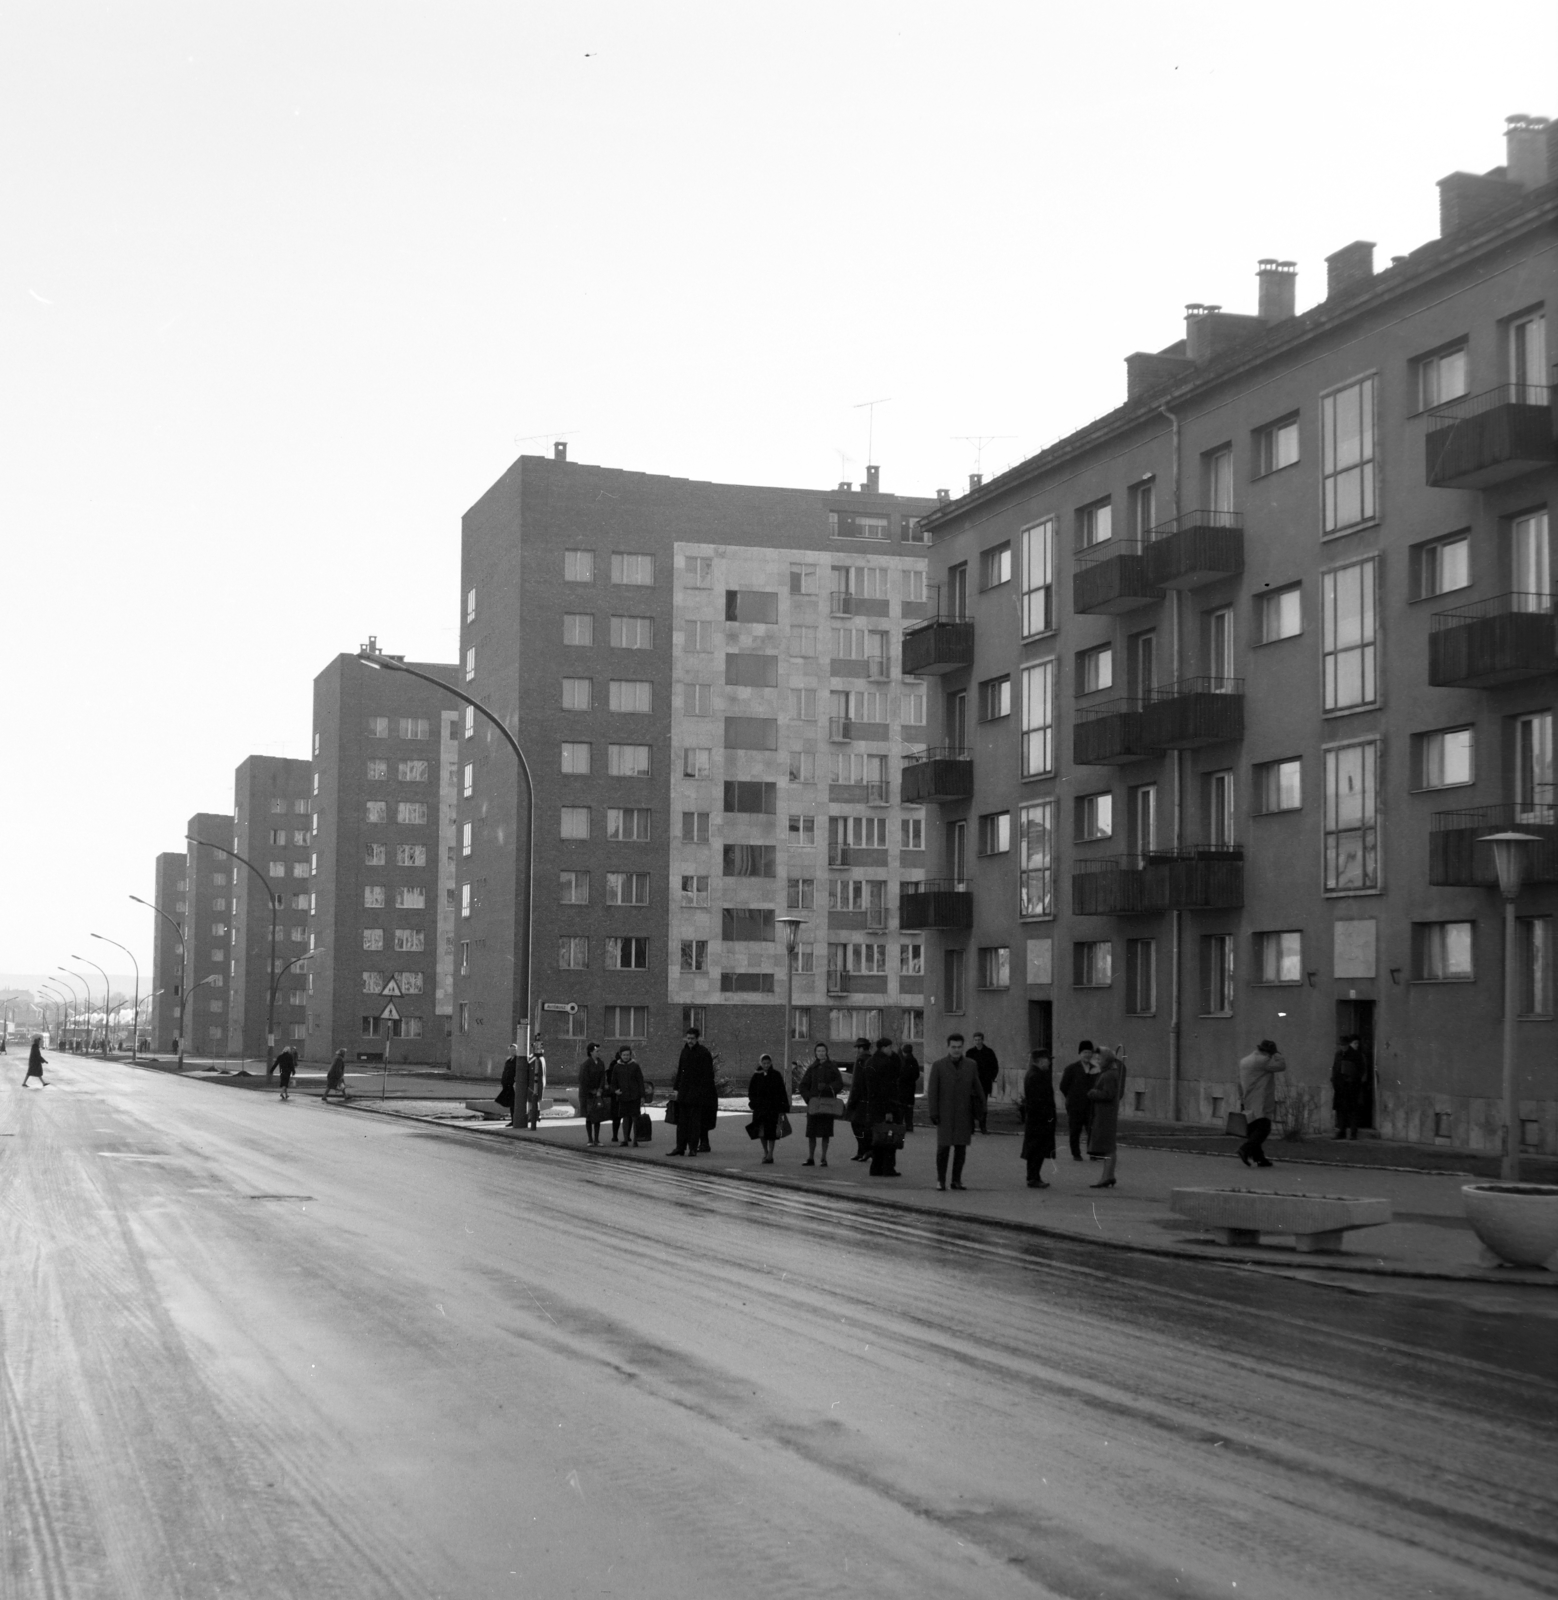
258 1349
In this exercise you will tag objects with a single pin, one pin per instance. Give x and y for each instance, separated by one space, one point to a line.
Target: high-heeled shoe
1108 1183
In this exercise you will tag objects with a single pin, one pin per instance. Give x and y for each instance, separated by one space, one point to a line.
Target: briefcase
643 1128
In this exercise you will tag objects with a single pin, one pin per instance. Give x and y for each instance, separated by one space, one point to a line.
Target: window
1534 790
1217 478
470 722
573 952
1348 620
995 566
1038 577
373 938
954 980
378 770
1092 963
1095 524
300 836
629 954
1278 786
748 860
1095 669
854 1022
408 898
1038 716
1347 457
1281 614
802 829
695 889
633 569
415 728
575 759
751 605
1276 446
468 779
1141 977
1531 562
995 833
751 671
995 967
699 571
747 924
1143 509
695 955
634 695
1441 566
578 628
846 525
464 1014
800 894
746 983
376 811
470 663
1218 803
911 959
576 694
628 824
697 637
465 958
957 851
465 900
1279 957
1534 944
803 766
1217 631
278 869
911 706
1441 952
470 606
372 983
1528 353
632 633
1352 817
374 855
804 958
1445 758
1217 974
803 579
375 727
695 762
1094 816
911 531
573 888
575 822
746 797
1441 377
995 698
627 760
465 839
913 584
578 566
803 705
410 939
861 832
803 641
695 827
627 1022
627 888
911 833
411 812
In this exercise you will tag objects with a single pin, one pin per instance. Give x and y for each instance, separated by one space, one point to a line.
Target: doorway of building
1041 1026
1357 1016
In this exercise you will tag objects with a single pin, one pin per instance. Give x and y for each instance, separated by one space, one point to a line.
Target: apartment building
704 679
167 969
208 931
381 865
272 828
1232 682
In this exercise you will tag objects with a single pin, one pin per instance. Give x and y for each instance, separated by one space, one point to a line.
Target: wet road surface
257 1349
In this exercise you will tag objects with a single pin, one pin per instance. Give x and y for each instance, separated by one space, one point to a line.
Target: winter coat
1038 1099
908 1076
767 1094
35 1060
1258 1083
989 1068
1346 1077
1104 1096
821 1078
693 1082
592 1085
336 1076
954 1100
629 1076
530 1079
883 1100
1075 1081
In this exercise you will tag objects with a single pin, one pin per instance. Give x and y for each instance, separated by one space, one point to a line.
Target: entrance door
1357 1016
1041 1026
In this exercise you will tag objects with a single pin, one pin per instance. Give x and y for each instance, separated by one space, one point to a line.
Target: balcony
879 793
1496 641
838 983
939 644
1203 878
1195 549
841 603
935 776
1113 577
1194 712
877 669
838 855
839 730
1489 438
1111 735
936 903
1457 860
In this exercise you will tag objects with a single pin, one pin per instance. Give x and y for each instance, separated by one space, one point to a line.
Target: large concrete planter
1518 1222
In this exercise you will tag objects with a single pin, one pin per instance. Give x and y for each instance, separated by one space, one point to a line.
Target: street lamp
792 933
61 1007
106 997
88 989
270 962
1509 858
178 933
136 1030
371 655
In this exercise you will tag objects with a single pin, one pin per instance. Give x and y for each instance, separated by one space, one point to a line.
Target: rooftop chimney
873 480
1198 327
1352 264
846 488
560 450
1278 289
943 496
974 480
1526 147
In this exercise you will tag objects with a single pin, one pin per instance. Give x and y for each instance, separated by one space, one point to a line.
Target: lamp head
1510 851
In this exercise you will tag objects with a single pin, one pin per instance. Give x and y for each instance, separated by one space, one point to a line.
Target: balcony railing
1194 712
1458 859
1502 640
938 644
837 982
1202 878
1113 577
1111 735
933 776
877 669
936 903
1488 438
1195 549
879 793
839 730
838 855
841 603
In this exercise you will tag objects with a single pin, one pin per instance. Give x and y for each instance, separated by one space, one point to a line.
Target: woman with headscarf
821 1080
35 1062
592 1092
335 1078
769 1097
625 1084
1038 1126
1105 1095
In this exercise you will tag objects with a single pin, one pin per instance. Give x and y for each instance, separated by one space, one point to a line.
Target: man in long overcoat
1075 1081
954 1102
696 1100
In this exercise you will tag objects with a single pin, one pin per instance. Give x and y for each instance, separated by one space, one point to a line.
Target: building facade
167 967
272 811
1231 682
704 679
208 931
382 865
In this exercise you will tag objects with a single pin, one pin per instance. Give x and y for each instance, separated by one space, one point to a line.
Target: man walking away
1258 1092
1347 1086
989 1069
286 1065
954 1102
1074 1084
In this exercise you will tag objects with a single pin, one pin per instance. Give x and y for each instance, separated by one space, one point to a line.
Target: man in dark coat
953 1101
1347 1086
855 1104
506 1096
989 1069
1038 1123
693 1085
1075 1081
883 1107
908 1084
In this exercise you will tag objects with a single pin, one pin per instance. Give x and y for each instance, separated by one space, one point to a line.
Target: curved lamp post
76 976
1510 851
107 995
61 1006
136 1030
178 933
270 960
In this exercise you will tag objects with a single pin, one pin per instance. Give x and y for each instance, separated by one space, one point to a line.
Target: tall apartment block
208 931
167 973
272 810
382 865
704 679
1233 683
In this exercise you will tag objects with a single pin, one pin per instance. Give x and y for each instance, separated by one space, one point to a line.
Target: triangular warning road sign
389 1013
392 989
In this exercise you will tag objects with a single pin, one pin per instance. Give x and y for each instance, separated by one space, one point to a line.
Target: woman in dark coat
35 1062
884 1108
505 1094
335 1078
696 1101
821 1080
1038 1126
769 1099
1105 1094
592 1092
619 1076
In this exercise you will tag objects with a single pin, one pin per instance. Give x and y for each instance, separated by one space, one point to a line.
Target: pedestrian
821 1086
692 1085
1258 1095
614 1090
855 1102
629 1080
335 1078
908 1084
286 1065
592 1092
884 1108
1347 1086
529 1083
989 1069
36 1060
1038 1119
769 1098
1075 1081
953 1102
505 1095
1106 1090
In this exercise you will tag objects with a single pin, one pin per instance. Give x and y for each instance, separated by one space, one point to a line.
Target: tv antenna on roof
979 441
869 407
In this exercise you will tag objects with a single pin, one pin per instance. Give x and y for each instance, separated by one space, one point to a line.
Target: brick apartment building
704 679
208 931
383 831
272 808
167 972
1282 650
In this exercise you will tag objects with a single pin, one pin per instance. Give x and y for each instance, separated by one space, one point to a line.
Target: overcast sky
284 287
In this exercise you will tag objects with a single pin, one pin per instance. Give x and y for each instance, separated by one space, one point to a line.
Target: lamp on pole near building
178 933
135 1031
106 996
374 657
61 1006
792 933
274 900
76 976
1509 858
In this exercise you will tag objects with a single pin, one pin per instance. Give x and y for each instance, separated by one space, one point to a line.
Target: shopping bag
643 1128
1238 1125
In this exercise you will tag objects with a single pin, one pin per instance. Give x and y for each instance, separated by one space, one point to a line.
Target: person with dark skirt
693 1086
908 1084
821 1080
35 1063
592 1092
769 1098
1038 1120
1075 1081
505 1096
629 1076
1107 1090
335 1078
884 1109
614 1072
855 1105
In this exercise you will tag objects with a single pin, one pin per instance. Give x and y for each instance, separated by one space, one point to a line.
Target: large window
632 569
573 952
1092 963
627 888
1445 758
1217 974
1534 787
575 759
1348 634
578 628
573 888
1352 817
995 967
627 760
1535 953
628 824
629 954
575 822
1038 577
995 566
633 633
578 566
635 695
1038 719
1531 564
747 924
1278 786
1141 977
576 694
748 860
1347 457
1442 952
1279 957
749 797
627 1022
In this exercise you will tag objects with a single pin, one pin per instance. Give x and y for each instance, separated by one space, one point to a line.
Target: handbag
754 1129
825 1105
670 1113
784 1130
1238 1125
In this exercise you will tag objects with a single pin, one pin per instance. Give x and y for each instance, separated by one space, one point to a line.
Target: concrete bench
1241 1216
